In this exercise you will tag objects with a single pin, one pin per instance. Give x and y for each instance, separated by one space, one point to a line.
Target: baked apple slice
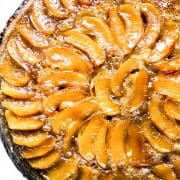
23 124
70 4
38 151
21 53
118 29
51 79
159 142
87 137
40 19
100 30
65 58
106 177
136 150
61 121
166 44
139 92
116 143
102 86
11 75
123 71
86 44
120 175
175 161
85 172
126 36
69 94
168 66
84 2
46 161
172 109
168 86
29 139
100 145
165 125
56 9
21 93
33 36
164 171
23 108
133 24
64 170
153 26
69 134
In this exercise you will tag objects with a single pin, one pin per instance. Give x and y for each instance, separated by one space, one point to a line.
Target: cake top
91 90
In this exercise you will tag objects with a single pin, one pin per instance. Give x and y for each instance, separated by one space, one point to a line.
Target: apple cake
91 89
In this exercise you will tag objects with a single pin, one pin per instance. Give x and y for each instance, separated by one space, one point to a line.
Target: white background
7 169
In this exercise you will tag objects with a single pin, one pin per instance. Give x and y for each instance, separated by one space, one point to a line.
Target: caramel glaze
91 89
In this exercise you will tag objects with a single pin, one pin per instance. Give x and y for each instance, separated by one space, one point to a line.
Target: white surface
7 169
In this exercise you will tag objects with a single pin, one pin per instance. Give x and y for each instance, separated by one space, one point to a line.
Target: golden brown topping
90 89
151 177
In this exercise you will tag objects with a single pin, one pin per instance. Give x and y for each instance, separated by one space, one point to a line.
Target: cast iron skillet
13 150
